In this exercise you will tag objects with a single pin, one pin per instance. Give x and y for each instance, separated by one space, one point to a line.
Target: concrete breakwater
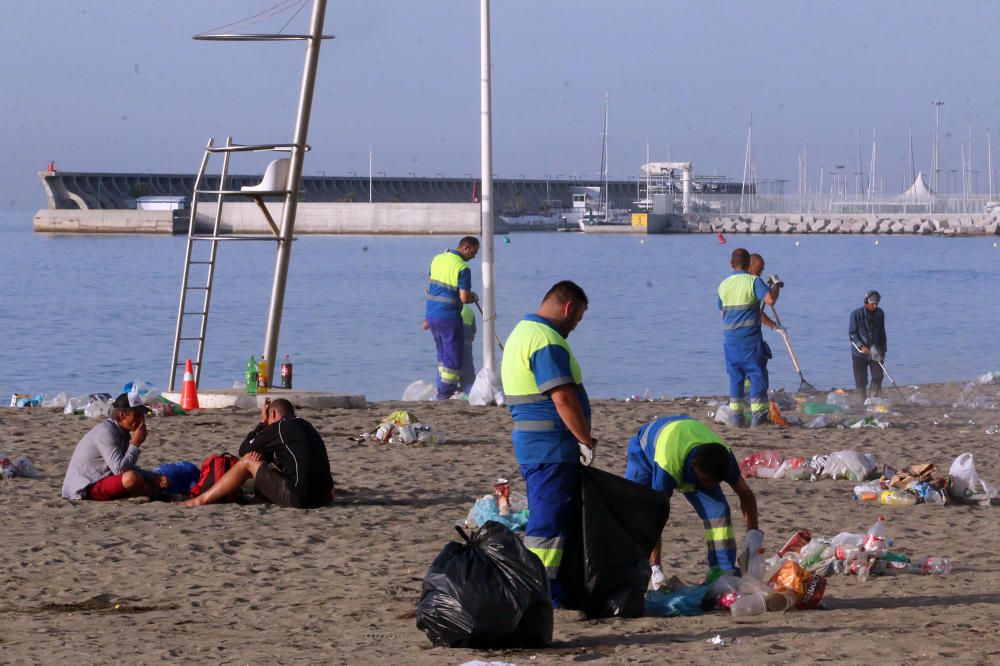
841 223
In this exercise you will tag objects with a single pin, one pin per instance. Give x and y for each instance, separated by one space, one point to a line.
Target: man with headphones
868 344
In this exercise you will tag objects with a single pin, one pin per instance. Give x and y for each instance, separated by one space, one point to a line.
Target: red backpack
212 470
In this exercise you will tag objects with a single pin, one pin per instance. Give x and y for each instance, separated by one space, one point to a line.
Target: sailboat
599 212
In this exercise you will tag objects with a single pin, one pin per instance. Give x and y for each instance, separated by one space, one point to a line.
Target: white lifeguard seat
275 177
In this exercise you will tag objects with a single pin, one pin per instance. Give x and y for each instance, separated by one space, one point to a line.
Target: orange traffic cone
189 392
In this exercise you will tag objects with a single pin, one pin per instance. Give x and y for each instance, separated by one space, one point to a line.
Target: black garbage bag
605 565
488 592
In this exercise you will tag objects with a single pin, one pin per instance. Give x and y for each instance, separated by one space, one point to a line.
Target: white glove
587 452
781 330
658 581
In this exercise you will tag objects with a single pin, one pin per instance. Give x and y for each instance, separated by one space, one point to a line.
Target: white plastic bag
851 465
966 482
76 403
98 409
727 417
486 390
419 390
58 400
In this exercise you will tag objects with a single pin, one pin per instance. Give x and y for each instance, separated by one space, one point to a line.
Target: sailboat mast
604 161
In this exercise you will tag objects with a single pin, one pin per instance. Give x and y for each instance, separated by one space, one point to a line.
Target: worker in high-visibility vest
544 389
746 353
450 286
679 453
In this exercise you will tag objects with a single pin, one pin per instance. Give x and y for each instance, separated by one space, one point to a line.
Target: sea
88 313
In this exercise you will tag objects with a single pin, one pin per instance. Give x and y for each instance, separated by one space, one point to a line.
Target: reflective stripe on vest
675 441
740 305
443 279
519 385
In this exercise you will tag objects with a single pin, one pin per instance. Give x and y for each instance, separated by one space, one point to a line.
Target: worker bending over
682 454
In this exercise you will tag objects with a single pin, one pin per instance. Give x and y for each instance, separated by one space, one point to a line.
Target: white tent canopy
919 192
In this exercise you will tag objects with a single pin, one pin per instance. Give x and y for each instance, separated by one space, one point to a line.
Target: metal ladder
202 251
193 333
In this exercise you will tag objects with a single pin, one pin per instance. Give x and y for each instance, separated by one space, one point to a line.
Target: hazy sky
119 85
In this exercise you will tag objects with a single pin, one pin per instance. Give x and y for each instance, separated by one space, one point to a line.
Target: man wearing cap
450 286
103 466
868 344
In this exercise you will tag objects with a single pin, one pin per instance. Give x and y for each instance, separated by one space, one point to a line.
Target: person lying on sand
103 466
285 457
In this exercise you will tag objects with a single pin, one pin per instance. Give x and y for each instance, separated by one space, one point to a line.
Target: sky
119 85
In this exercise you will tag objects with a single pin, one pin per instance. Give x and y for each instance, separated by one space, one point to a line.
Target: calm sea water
86 313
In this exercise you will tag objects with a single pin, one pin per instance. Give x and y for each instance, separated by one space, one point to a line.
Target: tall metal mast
486 191
294 183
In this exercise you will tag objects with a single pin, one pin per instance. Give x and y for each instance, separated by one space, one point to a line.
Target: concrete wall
246 218
104 222
351 218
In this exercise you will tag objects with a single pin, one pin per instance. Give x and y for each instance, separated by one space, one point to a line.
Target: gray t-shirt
103 451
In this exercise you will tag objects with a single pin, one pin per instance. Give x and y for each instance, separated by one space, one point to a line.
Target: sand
87 582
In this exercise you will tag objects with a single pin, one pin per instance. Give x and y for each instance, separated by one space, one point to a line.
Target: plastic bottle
811 553
262 375
936 566
847 553
896 497
875 539
756 565
250 377
286 372
796 543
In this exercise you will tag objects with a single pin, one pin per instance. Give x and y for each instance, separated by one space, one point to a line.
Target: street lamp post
936 166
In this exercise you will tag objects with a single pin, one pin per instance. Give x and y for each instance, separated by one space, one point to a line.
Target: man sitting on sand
286 458
103 466
679 453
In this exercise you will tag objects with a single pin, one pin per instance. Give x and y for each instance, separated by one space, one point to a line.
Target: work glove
587 452
657 580
753 543
781 330
773 280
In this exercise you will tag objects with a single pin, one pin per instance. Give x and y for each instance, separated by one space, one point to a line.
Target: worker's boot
759 418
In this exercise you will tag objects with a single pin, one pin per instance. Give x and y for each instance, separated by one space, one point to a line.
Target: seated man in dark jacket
286 458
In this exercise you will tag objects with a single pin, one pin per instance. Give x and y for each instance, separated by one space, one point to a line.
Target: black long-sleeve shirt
297 451
867 330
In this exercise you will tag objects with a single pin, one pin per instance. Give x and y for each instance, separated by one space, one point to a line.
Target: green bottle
251 376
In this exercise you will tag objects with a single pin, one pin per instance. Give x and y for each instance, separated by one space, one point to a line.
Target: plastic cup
779 602
748 605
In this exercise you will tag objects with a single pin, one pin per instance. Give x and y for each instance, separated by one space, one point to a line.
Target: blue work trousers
448 333
553 502
747 360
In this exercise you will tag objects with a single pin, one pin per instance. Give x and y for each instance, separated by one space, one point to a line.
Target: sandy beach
87 582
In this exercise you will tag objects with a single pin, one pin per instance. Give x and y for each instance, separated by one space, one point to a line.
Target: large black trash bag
488 592
605 566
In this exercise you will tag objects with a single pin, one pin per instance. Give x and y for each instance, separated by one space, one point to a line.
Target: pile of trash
769 464
848 553
920 484
98 405
906 487
796 575
503 505
17 467
402 427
